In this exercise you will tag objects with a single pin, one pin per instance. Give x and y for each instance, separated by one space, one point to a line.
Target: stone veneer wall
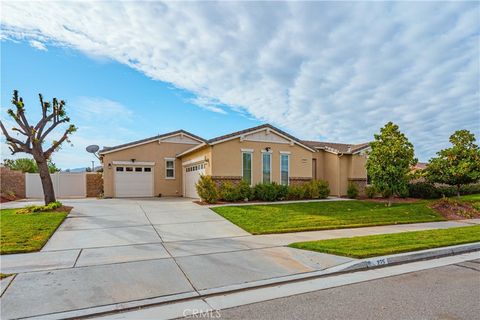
13 181
220 179
295 181
360 183
94 184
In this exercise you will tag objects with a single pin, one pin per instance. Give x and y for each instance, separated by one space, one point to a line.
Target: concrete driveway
120 250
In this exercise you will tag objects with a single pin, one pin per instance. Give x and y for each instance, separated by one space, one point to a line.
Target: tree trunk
389 201
458 191
47 185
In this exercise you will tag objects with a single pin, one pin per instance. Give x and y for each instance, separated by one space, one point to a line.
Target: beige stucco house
170 164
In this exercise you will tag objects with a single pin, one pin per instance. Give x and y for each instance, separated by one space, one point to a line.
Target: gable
179 138
266 135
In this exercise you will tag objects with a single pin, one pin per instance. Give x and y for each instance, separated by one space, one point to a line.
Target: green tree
31 138
28 165
457 165
389 162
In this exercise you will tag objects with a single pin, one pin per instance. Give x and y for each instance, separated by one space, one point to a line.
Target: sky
329 71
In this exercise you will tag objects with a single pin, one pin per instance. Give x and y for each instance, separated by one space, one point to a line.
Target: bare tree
53 115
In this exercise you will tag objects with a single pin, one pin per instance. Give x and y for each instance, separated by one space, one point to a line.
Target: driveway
119 250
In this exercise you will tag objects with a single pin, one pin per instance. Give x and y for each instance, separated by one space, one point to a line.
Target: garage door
192 174
133 181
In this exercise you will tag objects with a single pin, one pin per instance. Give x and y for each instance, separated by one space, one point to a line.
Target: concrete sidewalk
111 252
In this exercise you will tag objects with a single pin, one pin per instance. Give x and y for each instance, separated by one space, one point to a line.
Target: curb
349 267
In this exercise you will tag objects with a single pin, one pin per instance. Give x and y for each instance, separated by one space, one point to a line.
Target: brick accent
94 184
13 181
296 181
361 184
221 179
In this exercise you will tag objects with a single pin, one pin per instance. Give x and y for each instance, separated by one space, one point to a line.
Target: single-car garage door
192 174
133 181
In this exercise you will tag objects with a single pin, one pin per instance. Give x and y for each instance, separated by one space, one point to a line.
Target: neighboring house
170 164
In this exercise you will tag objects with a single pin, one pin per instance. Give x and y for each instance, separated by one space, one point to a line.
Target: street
449 292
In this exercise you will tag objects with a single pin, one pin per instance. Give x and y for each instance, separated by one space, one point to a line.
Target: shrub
282 191
311 190
352 191
244 191
207 190
370 191
265 191
296 192
323 189
229 192
32 209
423 190
470 189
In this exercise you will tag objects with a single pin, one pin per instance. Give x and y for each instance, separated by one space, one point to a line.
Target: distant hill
84 169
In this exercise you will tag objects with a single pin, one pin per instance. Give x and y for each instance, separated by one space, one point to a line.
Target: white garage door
133 181
192 174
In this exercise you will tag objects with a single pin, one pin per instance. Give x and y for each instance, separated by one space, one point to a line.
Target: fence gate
65 184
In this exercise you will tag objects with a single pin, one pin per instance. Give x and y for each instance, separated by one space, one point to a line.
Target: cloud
38 45
322 70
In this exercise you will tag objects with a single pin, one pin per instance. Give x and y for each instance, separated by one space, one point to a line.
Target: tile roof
336 147
266 125
105 149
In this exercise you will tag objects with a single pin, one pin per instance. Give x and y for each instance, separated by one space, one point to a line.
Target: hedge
426 190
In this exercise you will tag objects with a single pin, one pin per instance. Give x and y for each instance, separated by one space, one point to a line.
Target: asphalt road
450 292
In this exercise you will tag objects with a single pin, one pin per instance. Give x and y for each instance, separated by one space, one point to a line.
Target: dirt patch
455 210
3 200
64 209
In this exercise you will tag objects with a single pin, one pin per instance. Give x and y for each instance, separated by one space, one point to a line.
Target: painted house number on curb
377 262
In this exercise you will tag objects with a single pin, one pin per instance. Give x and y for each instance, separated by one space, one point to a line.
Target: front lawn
385 244
27 232
307 216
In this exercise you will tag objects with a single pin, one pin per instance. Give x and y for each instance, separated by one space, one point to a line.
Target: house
170 164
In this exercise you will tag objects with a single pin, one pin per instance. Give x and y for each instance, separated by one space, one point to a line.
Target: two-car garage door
133 181
192 174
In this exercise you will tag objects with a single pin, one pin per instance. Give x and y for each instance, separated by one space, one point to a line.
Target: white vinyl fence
65 184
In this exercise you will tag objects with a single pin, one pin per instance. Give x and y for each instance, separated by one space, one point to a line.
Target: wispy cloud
38 45
327 70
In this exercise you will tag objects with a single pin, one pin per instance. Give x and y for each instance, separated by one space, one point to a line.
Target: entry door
133 181
192 175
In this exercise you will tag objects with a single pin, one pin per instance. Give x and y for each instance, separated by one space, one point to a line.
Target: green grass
474 199
4 275
27 232
307 216
385 244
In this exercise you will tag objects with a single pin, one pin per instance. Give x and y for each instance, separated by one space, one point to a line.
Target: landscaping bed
386 244
28 231
309 216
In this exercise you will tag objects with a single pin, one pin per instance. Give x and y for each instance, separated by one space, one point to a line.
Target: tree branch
57 144
9 138
53 126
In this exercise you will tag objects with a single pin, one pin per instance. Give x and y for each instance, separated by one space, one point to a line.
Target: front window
247 167
266 167
170 169
284 164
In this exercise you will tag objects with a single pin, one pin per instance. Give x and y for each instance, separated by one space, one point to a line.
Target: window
169 168
138 169
284 168
147 169
266 167
130 169
119 168
247 167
